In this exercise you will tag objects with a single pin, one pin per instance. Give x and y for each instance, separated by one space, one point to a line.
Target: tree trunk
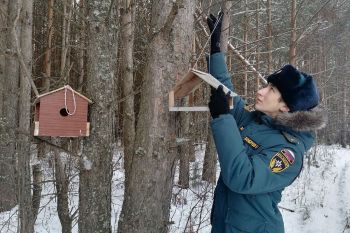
82 33
37 179
225 29
61 176
96 165
209 164
293 36
258 49
66 22
245 41
147 198
183 149
24 178
62 184
8 197
3 33
127 68
269 34
47 57
37 170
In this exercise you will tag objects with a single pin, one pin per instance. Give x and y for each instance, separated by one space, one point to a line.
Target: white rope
206 43
65 100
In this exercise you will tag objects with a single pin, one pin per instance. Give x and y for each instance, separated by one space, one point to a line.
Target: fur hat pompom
298 89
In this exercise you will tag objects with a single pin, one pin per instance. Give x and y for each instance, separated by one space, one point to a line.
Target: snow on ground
320 196
316 202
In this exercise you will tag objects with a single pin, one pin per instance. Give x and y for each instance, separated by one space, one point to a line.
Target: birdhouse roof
188 84
59 89
193 79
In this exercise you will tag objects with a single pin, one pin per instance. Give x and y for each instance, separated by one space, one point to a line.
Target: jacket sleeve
244 174
217 67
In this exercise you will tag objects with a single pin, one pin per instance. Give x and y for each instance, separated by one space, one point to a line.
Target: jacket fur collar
311 120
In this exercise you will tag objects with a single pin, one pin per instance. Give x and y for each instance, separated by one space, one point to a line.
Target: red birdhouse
62 113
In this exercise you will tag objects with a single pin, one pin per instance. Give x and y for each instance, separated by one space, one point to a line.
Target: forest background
126 56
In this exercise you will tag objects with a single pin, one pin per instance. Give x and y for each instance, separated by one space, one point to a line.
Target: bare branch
20 56
238 54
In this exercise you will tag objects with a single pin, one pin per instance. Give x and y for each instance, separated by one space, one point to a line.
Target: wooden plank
36 128
186 85
189 109
190 100
208 78
87 129
171 99
189 84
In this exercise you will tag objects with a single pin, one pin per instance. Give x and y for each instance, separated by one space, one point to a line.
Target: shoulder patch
282 160
290 138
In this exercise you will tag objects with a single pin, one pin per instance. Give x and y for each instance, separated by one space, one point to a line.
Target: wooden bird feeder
61 113
188 84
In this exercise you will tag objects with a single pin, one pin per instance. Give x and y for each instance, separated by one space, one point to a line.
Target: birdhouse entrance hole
64 112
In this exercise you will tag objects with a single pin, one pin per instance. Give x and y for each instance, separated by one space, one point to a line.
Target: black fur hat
298 89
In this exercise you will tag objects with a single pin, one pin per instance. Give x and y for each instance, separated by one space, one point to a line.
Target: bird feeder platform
186 87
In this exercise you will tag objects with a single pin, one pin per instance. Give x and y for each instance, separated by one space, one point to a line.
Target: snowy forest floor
318 201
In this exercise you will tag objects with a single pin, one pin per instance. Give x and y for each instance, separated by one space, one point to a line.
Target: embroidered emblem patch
282 160
251 143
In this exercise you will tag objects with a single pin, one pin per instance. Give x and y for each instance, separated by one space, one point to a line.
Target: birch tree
147 197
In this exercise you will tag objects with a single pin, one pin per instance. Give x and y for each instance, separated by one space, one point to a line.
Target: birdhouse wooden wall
53 119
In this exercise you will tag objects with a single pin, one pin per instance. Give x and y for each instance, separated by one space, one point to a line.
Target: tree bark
8 197
3 33
225 29
61 176
66 22
147 198
37 170
47 57
183 149
209 164
62 185
96 165
127 68
24 178
82 33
